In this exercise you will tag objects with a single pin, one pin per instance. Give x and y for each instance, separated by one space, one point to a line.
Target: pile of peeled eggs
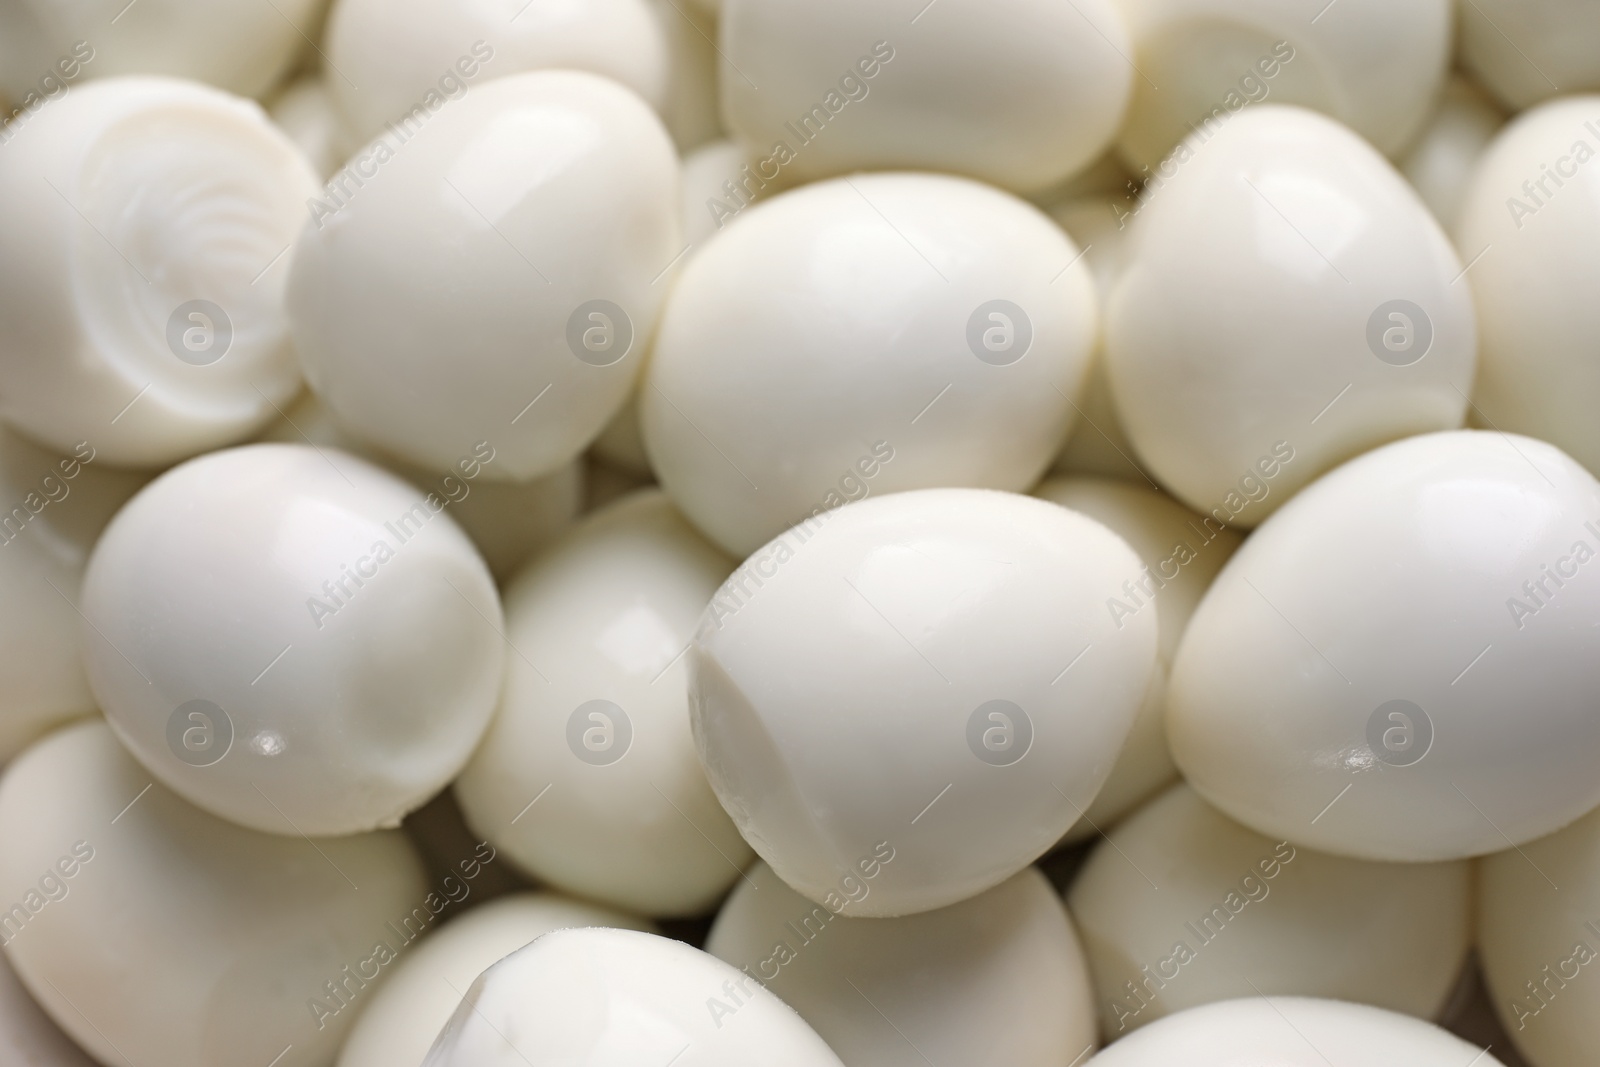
802 533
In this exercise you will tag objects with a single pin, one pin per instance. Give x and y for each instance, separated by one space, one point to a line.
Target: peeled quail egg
296 641
1400 663
527 230
862 336
599 996
147 223
1020 93
1288 303
931 674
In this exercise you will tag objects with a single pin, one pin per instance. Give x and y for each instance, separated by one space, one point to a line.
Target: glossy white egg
296 641
1292 1032
1020 93
863 336
1400 664
1181 552
527 230
1182 906
393 62
619 996
934 675
1440 162
999 978
398 1024
1539 939
239 45
127 908
1288 303
587 778
1531 224
1373 65
147 223
1526 51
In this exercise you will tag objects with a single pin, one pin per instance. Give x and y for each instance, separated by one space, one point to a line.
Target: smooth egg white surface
619 996
1373 65
1182 906
1019 93
870 334
997 978
1400 663
1440 163
1531 219
527 230
404 1015
1287 303
1182 553
1292 1032
393 59
931 673
238 45
143 907
296 641
1538 934
1526 51
587 777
